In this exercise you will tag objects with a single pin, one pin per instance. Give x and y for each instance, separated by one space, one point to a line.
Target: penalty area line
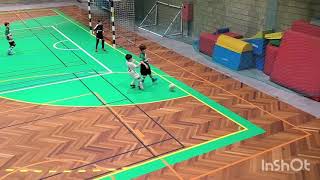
55 45
79 47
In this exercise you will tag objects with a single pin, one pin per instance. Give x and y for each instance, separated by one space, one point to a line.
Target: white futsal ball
172 87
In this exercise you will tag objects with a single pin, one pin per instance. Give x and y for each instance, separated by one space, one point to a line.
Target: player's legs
97 43
136 78
12 44
102 41
140 83
133 83
10 51
153 78
143 78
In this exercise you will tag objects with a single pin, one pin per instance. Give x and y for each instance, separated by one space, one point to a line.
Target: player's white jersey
132 69
132 66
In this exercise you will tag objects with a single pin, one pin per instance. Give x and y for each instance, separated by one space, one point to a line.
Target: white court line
55 46
101 64
31 28
54 83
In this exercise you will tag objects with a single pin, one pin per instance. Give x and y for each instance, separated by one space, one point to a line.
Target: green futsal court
56 64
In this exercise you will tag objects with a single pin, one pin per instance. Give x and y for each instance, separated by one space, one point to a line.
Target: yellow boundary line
170 154
25 169
53 105
47 103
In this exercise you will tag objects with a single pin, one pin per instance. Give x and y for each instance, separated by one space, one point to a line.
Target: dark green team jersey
7 32
143 57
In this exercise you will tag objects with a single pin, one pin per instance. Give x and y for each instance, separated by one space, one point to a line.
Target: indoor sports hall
169 89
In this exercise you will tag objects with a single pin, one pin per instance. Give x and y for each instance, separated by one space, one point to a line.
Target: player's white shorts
134 75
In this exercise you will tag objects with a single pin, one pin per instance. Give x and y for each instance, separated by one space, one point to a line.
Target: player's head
7 24
129 57
142 47
99 22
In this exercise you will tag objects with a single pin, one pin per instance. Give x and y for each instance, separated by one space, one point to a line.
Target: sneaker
154 79
103 49
141 86
10 52
133 86
96 50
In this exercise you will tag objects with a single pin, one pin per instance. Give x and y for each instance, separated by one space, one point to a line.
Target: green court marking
16 72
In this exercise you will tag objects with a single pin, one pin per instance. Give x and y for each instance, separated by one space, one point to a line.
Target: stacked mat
297 64
259 44
208 40
233 53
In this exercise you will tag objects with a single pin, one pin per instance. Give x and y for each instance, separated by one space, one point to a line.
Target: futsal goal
163 19
117 16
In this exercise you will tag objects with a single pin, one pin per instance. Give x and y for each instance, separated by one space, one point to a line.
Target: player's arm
146 57
95 30
137 65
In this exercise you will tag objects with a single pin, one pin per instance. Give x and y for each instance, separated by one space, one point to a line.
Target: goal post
163 19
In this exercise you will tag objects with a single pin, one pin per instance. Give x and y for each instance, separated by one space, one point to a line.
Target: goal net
117 16
163 19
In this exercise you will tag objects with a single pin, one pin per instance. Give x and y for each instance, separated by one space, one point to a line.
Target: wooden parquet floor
83 139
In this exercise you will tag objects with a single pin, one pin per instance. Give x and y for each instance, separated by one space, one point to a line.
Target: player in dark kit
9 37
145 68
99 34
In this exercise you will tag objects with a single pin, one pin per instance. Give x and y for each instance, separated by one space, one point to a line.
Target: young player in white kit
132 72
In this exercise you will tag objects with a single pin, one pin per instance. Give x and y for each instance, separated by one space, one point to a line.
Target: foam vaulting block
233 60
233 44
297 63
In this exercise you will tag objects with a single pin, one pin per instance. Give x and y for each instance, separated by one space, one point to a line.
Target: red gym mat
297 63
207 42
271 54
306 27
